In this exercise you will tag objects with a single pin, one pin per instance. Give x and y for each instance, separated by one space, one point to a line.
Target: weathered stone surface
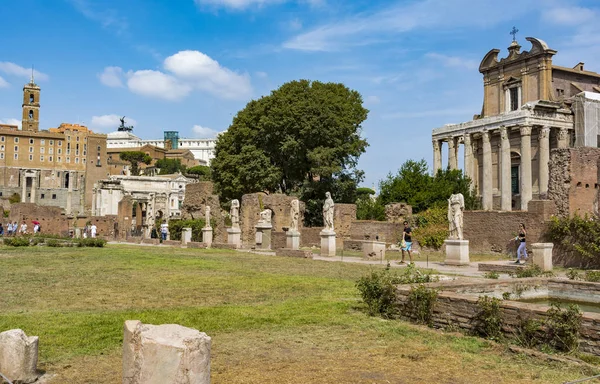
397 212
18 356
294 253
186 235
457 252
197 197
542 255
293 239
374 249
165 354
328 246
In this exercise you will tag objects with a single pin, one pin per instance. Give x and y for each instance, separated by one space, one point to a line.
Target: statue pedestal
374 249
327 243
186 236
542 255
292 240
207 236
457 252
234 236
263 236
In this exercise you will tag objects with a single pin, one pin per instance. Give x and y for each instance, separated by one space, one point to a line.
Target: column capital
436 144
544 132
467 139
525 130
503 132
451 142
485 135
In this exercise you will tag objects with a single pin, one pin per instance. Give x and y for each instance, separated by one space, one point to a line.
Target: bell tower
31 106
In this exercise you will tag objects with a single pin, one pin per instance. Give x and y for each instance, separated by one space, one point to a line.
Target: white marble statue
328 212
235 214
265 216
456 205
295 215
207 217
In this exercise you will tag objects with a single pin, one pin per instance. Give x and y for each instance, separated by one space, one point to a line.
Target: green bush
532 271
90 242
491 275
53 243
576 234
176 227
378 288
17 241
431 227
421 301
529 333
562 327
593 276
37 240
488 321
14 198
572 274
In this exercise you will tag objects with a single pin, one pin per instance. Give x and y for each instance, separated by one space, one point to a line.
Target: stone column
69 208
452 160
23 187
468 157
505 177
563 138
544 158
94 203
525 166
487 196
33 188
437 156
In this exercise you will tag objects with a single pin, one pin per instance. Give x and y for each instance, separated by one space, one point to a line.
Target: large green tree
414 185
169 166
135 158
304 139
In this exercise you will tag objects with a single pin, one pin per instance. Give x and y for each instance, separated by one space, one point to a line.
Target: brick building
530 107
55 167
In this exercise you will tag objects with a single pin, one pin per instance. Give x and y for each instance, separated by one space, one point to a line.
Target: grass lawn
272 320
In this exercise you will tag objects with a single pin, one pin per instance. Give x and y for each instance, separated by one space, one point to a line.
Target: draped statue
456 206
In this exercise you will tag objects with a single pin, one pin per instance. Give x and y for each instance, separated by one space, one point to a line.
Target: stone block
165 354
151 241
207 236
18 356
186 235
542 255
293 253
171 242
195 244
457 252
234 237
263 236
292 240
373 249
327 243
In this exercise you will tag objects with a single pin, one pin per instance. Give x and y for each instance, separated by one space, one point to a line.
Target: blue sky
190 65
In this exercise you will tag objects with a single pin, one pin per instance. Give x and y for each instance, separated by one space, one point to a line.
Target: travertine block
18 356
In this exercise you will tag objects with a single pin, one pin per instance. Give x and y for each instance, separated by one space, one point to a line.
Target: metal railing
5 378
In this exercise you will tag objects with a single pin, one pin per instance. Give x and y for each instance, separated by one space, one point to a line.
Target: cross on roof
514 33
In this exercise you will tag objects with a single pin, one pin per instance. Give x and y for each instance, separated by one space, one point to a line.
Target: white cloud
389 23
206 74
11 121
3 83
371 100
570 16
16 70
261 75
201 132
110 122
112 77
185 71
454 61
157 84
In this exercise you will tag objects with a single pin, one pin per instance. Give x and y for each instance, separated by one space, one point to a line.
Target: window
514 98
50 150
1 147
77 160
16 139
1 155
60 151
42 196
30 157
41 157
51 142
31 114
31 141
514 179
50 158
54 196
60 143
59 159
2 139
560 92
16 156
43 142
16 148
30 149
42 150
68 159
99 149
77 138
31 98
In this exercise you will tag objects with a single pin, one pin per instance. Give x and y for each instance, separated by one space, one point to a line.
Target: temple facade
530 106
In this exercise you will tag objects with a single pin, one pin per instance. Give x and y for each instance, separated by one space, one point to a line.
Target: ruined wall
253 203
574 178
369 230
343 217
494 231
309 237
197 197
397 212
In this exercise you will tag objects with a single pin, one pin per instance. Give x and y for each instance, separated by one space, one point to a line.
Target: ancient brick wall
397 212
278 240
309 237
574 179
494 231
343 217
197 197
253 203
370 230
52 219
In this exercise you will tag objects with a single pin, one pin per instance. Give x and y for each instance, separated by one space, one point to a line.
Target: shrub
378 288
529 333
572 274
532 271
488 322
421 301
176 227
17 241
491 275
37 240
432 227
577 234
593 276
53 243
563 326
90 242
14 198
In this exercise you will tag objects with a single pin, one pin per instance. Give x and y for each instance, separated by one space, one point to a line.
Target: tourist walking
406 244
164 229
24 228
93 230
522 250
